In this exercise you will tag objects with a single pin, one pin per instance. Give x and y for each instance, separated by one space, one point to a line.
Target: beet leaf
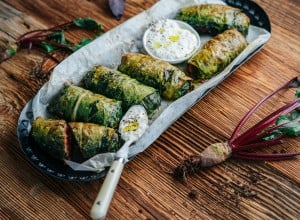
82 43
291 125
88 24
53 39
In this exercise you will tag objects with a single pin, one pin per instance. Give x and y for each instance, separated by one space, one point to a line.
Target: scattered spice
193 194
244 190
255 177
284 122
234 191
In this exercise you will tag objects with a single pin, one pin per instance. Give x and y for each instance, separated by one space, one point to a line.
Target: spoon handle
104 197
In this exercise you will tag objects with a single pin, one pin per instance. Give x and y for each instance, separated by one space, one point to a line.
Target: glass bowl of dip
171 40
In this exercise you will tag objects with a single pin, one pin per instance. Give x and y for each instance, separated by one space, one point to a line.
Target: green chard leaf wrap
119 86
171 82
62 141
52 137
77 104
216 54
214 18
93 139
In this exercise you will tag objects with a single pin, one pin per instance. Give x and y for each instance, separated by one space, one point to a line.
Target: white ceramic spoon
132 126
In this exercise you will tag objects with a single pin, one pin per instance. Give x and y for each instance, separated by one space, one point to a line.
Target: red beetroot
271 130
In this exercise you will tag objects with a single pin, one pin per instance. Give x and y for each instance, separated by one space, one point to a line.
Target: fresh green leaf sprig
52 39
288 125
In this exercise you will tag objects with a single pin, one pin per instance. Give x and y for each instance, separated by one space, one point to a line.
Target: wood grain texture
235 189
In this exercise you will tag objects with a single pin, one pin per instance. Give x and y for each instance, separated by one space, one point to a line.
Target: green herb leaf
58 37
88 24
82 43
48 47
12 49
292 124
9 52
298 93
273 135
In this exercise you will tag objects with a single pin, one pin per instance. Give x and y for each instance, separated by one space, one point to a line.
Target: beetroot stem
30 34
249 135
259 144
266 157
266 133
36 33
36 37
56 44
61 26
39 41
295 82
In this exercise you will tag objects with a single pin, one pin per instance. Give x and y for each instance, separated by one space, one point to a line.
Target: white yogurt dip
134 123
171 40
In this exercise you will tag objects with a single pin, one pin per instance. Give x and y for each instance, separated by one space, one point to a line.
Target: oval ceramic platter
87 57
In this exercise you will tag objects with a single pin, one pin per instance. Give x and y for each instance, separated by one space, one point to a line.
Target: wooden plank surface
233 190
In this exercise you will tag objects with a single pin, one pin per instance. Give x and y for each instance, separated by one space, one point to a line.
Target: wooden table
146 190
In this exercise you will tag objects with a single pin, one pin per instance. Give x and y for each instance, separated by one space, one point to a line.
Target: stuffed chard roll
77 104
93 139
64 141
52 137
216 54
214 18
114 84
171 82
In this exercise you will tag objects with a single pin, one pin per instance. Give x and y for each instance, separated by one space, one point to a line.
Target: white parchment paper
127 37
